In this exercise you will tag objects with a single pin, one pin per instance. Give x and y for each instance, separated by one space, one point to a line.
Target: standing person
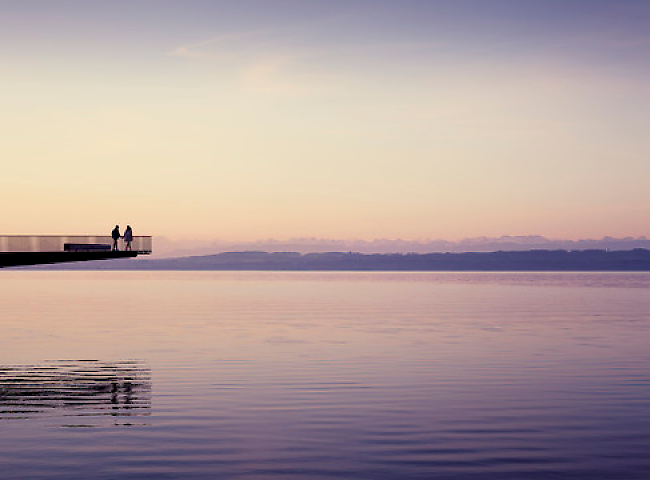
128 237
115 234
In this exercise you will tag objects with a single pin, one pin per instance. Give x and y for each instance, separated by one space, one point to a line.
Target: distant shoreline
515 261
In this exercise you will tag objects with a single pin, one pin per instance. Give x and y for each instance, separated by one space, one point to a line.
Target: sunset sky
244 120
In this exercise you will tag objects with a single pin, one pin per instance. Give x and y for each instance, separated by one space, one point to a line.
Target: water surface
244 375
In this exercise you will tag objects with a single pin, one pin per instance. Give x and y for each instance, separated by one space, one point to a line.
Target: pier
20 250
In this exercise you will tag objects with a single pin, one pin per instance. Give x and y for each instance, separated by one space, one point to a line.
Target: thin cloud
266 65
202 48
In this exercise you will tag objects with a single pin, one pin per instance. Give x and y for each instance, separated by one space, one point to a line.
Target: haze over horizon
168 248
335 119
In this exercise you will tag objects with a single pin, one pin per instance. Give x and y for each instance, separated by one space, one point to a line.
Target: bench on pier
86 247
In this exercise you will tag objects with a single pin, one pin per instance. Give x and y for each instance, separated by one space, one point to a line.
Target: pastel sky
254 119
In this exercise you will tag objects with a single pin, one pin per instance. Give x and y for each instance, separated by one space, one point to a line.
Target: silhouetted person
116 236
128 237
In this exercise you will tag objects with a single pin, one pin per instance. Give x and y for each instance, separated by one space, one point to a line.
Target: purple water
324 375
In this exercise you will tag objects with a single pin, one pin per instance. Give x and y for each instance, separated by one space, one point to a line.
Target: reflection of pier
75 388
18 250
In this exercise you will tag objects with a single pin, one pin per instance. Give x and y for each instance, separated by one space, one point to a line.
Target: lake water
244 375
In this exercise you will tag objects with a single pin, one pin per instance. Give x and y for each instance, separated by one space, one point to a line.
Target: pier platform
21 250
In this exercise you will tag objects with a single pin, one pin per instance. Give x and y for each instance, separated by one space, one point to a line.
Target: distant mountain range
531 260
166 248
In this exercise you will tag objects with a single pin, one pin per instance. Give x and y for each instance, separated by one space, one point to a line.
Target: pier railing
63 243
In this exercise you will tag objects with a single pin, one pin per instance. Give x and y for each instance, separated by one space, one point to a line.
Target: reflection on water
75 388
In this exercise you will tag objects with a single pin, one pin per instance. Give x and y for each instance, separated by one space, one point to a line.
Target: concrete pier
17 250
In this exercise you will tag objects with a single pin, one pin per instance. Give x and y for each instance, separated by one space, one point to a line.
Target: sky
257 119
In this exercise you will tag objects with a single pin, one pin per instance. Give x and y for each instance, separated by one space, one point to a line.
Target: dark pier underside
15 259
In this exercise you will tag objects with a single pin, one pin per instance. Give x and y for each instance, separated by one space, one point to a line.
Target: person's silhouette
128 237
115 234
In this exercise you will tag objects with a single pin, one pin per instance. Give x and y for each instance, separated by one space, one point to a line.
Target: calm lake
245 375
